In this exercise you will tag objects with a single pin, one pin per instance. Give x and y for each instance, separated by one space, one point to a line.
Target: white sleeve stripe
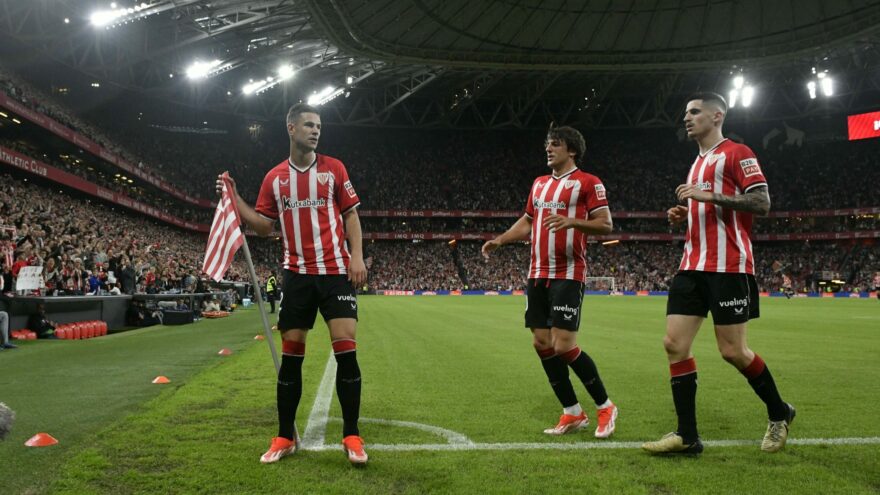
759 184
598 208
350 207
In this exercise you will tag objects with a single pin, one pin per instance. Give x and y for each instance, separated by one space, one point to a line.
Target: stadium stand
405 170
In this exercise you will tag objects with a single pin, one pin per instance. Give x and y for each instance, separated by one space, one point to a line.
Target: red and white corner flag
225 236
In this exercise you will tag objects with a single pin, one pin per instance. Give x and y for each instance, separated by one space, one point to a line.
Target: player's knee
672 345
732 354
542 344
562 348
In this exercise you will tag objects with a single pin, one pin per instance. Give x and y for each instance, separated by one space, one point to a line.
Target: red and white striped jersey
310 204
562 254
718 239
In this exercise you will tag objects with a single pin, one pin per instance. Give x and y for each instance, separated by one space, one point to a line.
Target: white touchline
452 437
594 445
316 427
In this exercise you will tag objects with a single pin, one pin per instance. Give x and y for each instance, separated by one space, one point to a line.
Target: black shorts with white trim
732 298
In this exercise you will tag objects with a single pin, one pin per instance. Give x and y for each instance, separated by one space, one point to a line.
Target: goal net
600 283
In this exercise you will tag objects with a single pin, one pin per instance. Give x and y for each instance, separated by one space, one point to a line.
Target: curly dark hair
572 138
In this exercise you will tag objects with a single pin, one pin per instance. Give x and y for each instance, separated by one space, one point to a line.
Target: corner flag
225 237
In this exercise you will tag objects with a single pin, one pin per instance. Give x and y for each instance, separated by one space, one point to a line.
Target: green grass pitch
461 364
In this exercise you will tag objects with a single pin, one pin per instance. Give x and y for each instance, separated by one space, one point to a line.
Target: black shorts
554 303
731 297
303 295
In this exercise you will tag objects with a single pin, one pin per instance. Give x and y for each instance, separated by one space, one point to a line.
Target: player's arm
598 222
520 230
677 214
755 200
263 226
357 270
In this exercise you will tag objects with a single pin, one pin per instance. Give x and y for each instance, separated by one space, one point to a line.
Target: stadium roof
462 63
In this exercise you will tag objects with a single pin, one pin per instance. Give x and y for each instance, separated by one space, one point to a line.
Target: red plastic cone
225 352
161 379
259 337
41 440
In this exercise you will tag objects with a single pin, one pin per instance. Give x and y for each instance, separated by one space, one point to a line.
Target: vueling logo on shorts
733 302
347 297
565 309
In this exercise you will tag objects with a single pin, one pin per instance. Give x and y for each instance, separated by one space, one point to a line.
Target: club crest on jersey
712 158
750 167
323 177
570 183
600 191
350 189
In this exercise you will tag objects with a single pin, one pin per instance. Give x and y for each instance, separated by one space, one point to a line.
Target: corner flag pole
259 297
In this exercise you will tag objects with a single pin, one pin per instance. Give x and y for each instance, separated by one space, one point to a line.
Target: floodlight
732 96
325 95
102 18
738 82
199 69
285 72
748 93
811 87
827 84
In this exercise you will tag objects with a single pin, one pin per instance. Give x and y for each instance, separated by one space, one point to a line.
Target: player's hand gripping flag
225 236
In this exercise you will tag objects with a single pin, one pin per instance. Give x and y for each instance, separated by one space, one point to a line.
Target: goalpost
600 283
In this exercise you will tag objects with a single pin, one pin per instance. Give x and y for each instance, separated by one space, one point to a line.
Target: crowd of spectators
506 269
634 266
488 170
412 266
90 169
762 225
86 247
38 100
80 242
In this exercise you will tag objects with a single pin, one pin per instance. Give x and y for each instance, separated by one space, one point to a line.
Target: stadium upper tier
405 169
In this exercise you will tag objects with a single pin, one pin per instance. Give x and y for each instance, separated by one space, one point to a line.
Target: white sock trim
574 410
